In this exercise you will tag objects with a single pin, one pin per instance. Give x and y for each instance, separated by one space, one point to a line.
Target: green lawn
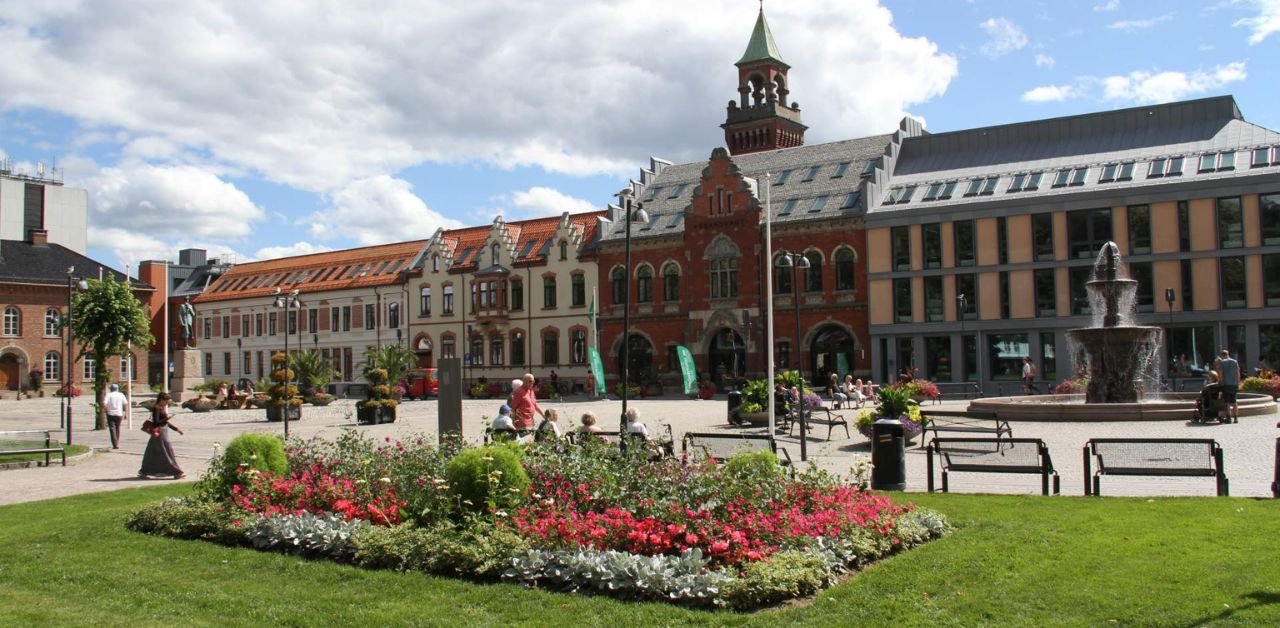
71 450
1012 561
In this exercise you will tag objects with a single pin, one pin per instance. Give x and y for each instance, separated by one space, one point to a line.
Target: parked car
421 384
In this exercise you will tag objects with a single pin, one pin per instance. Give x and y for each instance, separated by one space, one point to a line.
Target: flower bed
741 534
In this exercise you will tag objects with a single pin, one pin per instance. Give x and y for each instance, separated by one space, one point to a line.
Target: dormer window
1116 172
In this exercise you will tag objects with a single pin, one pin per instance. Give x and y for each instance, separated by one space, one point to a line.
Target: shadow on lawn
1260 598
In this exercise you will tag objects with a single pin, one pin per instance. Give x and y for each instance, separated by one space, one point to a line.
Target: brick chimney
38 237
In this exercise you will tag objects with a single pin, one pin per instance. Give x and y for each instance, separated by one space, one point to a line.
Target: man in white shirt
116 404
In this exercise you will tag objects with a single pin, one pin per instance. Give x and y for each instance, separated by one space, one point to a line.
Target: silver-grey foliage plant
682 579
327 535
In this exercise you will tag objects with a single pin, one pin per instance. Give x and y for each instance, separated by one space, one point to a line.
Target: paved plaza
1249 446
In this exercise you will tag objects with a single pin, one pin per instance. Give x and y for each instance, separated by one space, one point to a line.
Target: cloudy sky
261 129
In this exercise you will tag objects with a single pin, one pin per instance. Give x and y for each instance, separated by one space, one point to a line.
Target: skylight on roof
791 205
947 190
850 201
989 187
1033 181
677 191
1078 175
1261 157
907 192
378 271
813 172
782 178
396 266
676 219
1062 178
931 193
1016 184
528 246
975 185
870 168
841 168
818 204
653 193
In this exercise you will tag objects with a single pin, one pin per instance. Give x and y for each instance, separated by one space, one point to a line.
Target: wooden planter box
374 416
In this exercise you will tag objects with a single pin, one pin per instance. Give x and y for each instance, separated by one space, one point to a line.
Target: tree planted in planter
378 406
283 393
315 373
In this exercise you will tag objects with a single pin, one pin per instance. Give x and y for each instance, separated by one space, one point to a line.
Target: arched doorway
832 351
423 350
726 357
9 372
641 353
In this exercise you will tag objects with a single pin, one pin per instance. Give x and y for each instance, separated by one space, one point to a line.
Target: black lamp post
796 261
286 303
69 362
632 215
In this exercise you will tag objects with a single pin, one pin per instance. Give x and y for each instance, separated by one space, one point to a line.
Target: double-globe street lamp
639 215
797 261
290 303
70 362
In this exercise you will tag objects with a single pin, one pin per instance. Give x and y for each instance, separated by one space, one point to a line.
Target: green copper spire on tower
761 47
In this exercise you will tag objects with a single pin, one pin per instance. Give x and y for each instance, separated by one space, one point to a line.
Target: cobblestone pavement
1249 446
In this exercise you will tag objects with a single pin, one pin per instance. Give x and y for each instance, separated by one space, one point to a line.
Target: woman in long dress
159 458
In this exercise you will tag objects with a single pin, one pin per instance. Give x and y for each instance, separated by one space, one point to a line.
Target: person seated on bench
589 424
856 390
836 393
549 429
634 426
503 426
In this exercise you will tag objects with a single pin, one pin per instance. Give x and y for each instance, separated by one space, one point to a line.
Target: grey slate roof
668 194
1137 135
22 262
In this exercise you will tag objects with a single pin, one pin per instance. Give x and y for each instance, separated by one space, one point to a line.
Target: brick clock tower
762 120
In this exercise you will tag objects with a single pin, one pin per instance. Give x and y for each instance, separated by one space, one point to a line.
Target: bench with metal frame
1275 484
963 422
720 446
30 442
963 390
992 455
1152 457
666 444
820 416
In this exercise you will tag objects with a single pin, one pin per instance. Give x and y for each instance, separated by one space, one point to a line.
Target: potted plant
922 389
283 392
894 402
315 373
480 389
378 406
756 397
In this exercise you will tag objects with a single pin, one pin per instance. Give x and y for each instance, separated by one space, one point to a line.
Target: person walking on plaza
1029 376
1229 379
524 404
115 404
159 459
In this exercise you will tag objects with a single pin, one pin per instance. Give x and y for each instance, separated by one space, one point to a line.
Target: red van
421 384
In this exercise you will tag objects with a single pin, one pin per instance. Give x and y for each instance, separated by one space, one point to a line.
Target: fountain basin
1069 408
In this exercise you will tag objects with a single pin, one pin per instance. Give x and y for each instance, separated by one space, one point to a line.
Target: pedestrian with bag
159 459
1029 376
115 404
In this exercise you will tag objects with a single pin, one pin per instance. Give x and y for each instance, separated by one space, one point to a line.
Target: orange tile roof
333 270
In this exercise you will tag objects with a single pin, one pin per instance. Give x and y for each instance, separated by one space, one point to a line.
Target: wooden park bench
1275 484
820 416
992 455
32 442
961 390
963 422
1152 457
720 446
664 441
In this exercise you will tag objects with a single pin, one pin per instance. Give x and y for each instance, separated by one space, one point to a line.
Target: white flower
385 480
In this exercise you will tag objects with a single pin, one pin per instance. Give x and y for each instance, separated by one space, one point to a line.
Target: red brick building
696 275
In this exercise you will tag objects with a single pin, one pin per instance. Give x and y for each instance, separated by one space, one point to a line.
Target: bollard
888 456
735 400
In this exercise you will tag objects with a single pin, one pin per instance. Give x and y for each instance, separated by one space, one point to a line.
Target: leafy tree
394 359
313 369
107 317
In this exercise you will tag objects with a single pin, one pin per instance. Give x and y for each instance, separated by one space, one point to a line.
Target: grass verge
1014 560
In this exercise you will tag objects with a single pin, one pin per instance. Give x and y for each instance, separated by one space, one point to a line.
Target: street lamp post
285 303
632 215
70 361
797 261
960 307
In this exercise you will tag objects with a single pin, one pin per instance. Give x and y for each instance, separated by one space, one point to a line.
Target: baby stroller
1210 406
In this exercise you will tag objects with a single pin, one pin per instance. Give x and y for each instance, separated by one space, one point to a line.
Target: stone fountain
1120 364
1120 354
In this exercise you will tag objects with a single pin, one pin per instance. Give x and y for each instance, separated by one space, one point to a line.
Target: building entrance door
726 357
9 372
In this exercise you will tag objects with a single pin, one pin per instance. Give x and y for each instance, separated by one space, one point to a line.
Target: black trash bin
735 400
888 456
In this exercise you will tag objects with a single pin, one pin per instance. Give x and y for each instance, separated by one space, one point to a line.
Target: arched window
52 321
578 344
644 284
671 283
813 276
11 321
564 250
52 366
844 269
619 280
393 316
493 254
781 277
435 263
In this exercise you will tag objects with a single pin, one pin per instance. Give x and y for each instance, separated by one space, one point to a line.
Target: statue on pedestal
186 318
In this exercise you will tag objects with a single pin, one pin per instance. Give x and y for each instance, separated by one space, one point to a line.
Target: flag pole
768 296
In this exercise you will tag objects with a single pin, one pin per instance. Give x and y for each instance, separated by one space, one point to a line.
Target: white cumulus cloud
544 201
1109 5
377 210
317 100
290 250
1003 37
1050 93
1153 87
1266 22
1044 61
